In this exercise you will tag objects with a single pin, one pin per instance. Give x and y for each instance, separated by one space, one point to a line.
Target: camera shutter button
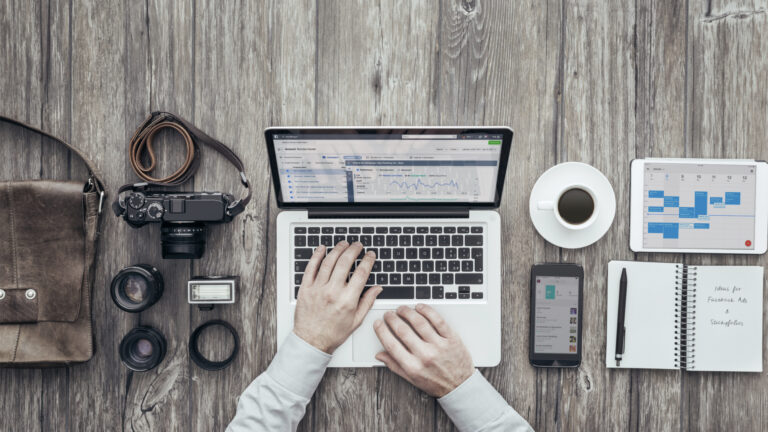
155 210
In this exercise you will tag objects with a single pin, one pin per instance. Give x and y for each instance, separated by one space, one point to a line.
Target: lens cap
142 349
137 287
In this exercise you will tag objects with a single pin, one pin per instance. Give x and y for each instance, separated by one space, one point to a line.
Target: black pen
620 330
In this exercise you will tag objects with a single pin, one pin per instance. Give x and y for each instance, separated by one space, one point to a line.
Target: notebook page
649 318
729 319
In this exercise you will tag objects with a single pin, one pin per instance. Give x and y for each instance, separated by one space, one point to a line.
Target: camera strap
140 149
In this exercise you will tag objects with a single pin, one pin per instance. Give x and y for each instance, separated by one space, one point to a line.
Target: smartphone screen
556 315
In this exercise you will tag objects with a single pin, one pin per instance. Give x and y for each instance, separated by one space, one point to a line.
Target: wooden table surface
590 81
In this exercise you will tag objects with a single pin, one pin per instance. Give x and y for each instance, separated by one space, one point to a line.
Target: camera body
183 216
144 206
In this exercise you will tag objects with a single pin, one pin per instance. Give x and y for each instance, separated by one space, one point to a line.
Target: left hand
329 308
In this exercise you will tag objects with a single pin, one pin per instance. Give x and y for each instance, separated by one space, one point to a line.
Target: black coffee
576 206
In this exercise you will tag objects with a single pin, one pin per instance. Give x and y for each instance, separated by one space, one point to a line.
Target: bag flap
42 248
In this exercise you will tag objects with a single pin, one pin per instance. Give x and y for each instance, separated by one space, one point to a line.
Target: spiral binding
685 316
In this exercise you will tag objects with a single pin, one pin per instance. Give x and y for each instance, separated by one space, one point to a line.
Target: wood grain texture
21 90
578 80
484 45
728 70
599 129
385 88
660 131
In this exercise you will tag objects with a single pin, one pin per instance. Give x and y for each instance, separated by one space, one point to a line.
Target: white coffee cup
555 205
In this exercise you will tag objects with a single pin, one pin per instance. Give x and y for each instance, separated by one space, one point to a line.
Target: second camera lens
137 287
142 349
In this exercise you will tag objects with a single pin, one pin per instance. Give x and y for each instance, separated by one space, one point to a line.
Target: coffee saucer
551 183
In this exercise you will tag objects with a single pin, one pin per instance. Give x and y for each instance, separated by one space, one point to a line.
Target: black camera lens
136 288
142 349
183 240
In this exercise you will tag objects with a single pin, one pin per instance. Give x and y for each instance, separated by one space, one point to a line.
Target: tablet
699 206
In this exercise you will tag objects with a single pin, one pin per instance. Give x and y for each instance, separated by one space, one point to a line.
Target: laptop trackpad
365 343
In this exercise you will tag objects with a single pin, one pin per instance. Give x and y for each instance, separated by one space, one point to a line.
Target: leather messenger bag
48 233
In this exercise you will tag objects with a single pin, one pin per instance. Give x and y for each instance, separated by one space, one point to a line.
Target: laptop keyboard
413 262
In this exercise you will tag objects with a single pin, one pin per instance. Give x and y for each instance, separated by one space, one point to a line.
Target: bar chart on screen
699 206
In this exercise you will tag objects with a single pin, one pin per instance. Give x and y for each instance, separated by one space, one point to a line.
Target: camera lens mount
142 349
183 240
136 287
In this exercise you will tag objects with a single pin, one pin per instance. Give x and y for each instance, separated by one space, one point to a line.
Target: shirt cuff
474 403
298 366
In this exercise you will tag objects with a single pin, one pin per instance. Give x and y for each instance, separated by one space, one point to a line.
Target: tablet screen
699 206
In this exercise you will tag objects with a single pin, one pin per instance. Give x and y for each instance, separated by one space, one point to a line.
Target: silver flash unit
207 291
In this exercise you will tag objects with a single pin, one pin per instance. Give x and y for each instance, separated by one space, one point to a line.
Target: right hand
423 349
329 308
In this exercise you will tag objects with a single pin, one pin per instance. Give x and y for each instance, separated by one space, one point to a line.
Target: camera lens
142 349
136 288
183 240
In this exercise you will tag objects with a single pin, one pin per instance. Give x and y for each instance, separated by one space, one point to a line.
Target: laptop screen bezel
506 144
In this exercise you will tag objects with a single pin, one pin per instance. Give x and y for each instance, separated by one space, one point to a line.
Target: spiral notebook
696 318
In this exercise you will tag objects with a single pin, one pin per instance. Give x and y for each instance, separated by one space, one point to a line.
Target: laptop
423 199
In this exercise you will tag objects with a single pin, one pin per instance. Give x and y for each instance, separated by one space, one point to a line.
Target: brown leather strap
141 149
95 178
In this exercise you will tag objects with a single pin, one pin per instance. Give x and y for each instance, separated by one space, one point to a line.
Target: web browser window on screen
388 168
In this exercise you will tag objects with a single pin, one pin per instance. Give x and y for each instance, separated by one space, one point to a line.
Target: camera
183 216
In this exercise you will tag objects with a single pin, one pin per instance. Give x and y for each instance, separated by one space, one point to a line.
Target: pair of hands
419 345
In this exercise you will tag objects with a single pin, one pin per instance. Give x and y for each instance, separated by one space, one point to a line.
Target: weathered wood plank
727 107
161 66
660 88
363 78
21 86
499 65
101 72
56 163
232 103
599 129
293 50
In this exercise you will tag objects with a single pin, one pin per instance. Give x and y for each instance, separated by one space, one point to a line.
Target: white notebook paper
697 318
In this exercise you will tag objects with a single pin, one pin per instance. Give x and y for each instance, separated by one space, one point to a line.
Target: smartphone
556 292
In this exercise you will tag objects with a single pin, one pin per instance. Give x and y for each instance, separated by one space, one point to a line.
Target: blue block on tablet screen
671 231
733 198
671 201
686 213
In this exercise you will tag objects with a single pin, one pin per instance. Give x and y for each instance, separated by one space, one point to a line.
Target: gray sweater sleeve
476 406
277 399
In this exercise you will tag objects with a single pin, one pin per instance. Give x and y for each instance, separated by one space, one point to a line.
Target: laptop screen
385 166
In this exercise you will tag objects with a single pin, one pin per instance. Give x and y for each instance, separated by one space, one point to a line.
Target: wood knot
469 5
586 381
